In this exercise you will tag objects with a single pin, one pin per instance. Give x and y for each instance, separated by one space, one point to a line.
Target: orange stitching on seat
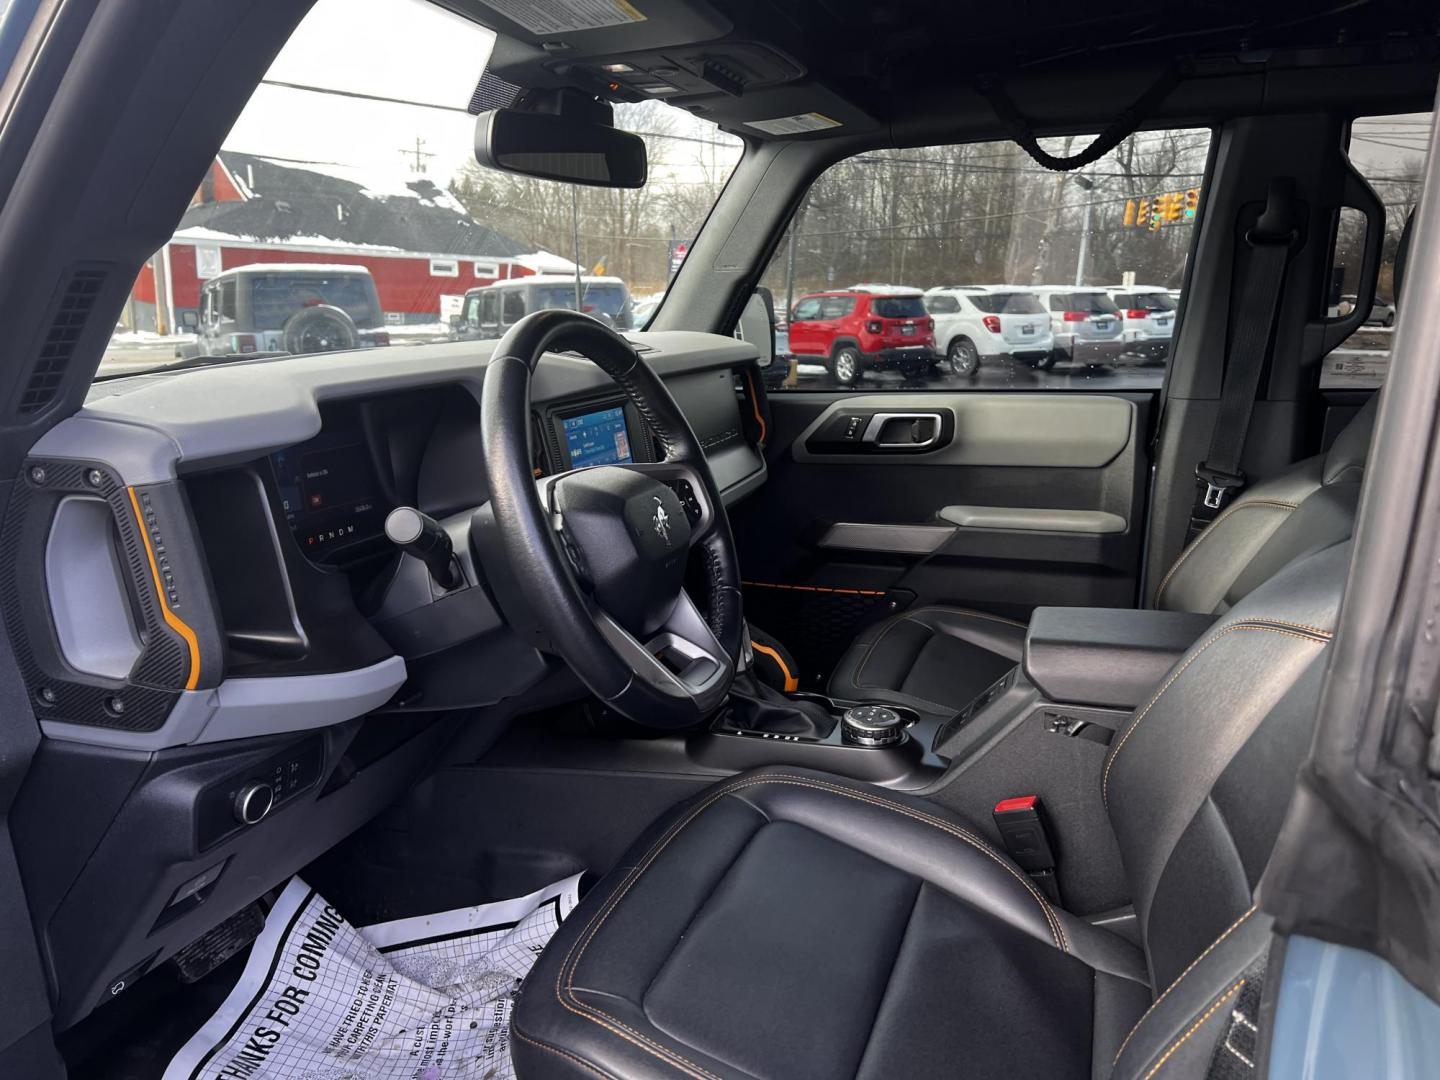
573 958
1193 1028
1193 963
556 1050
1105 778
1209 529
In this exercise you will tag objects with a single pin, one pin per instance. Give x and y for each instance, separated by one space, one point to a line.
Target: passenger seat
936 659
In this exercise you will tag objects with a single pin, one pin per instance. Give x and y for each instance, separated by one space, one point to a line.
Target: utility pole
575 242
420 155
1087 185
790 269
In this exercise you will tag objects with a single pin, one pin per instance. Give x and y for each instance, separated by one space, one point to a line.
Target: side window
489 308
807 310
513 306
226 294
470 316
1389 151
903 222
207 304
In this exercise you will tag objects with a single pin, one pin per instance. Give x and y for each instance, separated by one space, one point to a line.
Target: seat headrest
1345 459
1402 256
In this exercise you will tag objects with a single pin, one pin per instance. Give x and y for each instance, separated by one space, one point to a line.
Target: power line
868 159
357 95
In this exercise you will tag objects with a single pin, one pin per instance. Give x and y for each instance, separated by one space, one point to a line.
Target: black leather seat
790 924
937 659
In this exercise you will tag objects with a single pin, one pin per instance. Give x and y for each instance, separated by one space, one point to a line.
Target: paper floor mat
427 998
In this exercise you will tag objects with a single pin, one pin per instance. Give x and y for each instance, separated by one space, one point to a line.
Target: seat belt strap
1219 477
1236 1053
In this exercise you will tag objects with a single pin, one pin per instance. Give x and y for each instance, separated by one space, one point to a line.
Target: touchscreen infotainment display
598 438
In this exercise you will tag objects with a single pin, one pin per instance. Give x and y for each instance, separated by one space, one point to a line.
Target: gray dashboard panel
1078 431
245 708
153 428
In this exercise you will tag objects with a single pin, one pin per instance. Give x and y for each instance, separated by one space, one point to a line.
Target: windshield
1007 303
340 161
898 307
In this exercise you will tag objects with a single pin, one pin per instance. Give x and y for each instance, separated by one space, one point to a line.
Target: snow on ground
418 332
132 338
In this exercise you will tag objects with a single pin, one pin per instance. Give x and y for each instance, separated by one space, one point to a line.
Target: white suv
1148 312
1085 322
988 322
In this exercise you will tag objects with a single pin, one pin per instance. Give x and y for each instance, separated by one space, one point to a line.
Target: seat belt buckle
1219 485
1027 841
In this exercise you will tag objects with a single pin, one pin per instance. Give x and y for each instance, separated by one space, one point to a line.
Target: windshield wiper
191 362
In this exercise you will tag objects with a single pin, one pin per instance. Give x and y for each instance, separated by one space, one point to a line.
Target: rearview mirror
560 147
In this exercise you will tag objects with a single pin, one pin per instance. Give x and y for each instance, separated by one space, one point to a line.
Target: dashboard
209 618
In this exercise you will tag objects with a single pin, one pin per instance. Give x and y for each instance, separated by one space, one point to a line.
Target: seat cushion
791 924
933 659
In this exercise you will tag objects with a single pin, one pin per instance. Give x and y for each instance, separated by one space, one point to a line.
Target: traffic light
1170 206
1192 203
1129 211
1142 213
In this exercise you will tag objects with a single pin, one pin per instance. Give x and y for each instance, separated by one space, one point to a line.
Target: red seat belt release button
1026 839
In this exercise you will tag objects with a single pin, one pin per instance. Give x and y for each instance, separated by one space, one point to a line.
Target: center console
1050 718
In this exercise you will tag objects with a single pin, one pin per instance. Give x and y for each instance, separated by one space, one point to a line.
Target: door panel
1024 500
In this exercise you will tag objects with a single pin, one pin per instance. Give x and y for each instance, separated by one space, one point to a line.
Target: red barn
414 237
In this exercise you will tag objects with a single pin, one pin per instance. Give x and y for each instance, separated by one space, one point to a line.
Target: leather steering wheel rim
619 668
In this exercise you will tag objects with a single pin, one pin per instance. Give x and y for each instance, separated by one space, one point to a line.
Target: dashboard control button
254 802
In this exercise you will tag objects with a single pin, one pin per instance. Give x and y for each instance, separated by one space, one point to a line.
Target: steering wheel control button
420 535
254 802
872 726
686 493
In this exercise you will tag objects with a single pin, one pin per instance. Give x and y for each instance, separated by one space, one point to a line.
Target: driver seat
790 924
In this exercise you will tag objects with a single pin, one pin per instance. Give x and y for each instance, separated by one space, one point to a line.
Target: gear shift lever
757 707
420 535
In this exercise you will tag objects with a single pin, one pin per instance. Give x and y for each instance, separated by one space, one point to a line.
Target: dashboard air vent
71 313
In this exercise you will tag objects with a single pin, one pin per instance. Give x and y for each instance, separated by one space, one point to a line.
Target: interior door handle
902 430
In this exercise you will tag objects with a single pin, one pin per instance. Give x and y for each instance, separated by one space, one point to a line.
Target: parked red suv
864 327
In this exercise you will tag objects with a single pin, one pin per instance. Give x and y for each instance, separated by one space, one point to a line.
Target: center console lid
1111 657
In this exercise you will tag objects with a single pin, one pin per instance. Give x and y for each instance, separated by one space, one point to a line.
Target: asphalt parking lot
996 375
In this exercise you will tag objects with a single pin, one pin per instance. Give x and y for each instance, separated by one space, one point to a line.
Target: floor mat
426 998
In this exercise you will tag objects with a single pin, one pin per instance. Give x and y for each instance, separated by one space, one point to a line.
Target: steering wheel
598 555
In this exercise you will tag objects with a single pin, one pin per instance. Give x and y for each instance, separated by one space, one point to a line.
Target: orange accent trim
755 402
172 620
791 682
814 588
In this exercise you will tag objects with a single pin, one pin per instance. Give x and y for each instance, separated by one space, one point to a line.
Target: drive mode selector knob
872 725
254 802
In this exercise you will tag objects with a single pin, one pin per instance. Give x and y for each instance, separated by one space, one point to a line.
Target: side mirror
189 321
572 142
757 325
456 321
